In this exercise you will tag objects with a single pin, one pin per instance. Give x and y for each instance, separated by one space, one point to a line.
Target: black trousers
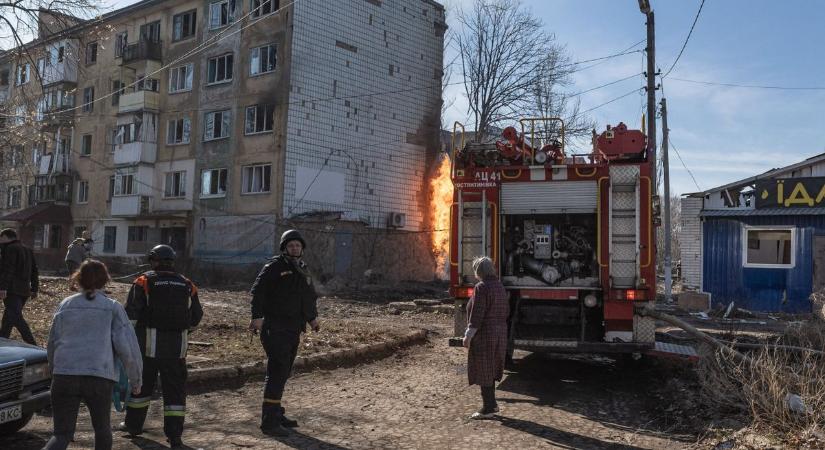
67 393
281 347
72 266
13 318
173 382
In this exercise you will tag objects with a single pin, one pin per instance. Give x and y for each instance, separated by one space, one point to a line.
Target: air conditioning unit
397 220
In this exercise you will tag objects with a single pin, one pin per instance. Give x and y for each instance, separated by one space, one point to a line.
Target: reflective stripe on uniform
184 343
142 402
174 410
151 342
269 400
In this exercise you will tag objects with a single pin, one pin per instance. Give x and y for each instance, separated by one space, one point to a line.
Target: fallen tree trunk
649 310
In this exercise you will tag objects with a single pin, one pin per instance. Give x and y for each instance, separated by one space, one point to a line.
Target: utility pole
666 174
644 6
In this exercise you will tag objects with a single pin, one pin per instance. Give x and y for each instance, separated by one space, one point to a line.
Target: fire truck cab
572 235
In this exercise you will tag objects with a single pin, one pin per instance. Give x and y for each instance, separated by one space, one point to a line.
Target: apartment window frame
248 179
261 114
182 125
748 244
174 185
175 78
14 196
82 192
86 141
118 89
272 8
121 41
88 99
110 239
124 185
91 53
228 60
23 74
214 178
226 16
181 21
256 58
211 118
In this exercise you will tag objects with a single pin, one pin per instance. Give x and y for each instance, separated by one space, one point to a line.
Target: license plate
12 413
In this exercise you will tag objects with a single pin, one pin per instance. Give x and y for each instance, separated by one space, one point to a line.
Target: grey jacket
77 251
87 335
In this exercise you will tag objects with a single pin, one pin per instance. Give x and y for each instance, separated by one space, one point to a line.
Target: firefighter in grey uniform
164 306
283 302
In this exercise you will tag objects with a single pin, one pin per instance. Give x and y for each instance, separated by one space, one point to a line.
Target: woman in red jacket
486 335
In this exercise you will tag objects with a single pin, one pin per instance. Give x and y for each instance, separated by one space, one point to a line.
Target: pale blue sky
722 133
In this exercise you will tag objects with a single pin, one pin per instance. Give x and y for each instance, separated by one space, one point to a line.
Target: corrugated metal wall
690 238
725 278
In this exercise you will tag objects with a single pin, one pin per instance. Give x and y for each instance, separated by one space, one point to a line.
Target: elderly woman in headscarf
486 334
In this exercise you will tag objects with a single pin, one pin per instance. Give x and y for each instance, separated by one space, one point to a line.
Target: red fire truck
572 235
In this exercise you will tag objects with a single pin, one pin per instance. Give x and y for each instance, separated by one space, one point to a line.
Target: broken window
180 78
259 118
213 183
14 194
184 25
219 69
263 7
263 59
769 247
256 179
221 13
177 131
216 125
23 74
175 184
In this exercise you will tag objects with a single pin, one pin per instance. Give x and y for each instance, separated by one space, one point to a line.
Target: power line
752 86
695 19
605 85
683 164
611 101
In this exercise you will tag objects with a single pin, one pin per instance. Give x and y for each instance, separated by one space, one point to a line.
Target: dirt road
419 398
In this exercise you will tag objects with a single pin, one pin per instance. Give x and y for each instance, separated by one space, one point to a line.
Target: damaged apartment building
214 126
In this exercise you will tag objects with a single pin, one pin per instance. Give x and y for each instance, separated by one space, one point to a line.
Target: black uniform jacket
18 270
284 294
160 343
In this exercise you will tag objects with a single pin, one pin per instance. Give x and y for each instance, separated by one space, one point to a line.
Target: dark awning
41 213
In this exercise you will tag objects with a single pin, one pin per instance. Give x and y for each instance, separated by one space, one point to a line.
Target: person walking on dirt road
486 335
283 302
19 281
164 306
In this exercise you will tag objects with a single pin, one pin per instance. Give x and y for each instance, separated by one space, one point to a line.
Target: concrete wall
368 154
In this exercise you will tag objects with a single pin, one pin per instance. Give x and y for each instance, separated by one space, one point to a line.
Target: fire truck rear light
630 295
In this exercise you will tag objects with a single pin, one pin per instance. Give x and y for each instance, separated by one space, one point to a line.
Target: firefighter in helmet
283 302
163 305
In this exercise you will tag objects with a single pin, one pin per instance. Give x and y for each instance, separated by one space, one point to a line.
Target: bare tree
500 44
549 100
24 20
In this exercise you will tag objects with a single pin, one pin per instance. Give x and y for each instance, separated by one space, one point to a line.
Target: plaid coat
487 311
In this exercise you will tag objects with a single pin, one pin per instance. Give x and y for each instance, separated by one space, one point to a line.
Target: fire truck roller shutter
563 197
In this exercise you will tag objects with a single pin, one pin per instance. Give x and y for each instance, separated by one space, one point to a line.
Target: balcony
141 51
53 164
53 189
138 101
135 152
131 205
55 116
65 72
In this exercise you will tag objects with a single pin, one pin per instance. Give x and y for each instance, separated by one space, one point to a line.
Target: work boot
175 442
125 428
271 424
286 421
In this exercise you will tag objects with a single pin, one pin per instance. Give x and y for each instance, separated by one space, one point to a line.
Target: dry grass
762 387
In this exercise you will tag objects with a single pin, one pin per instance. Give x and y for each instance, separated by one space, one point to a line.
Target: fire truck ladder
624 226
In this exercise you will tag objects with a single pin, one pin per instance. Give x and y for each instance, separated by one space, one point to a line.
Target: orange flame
441 200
